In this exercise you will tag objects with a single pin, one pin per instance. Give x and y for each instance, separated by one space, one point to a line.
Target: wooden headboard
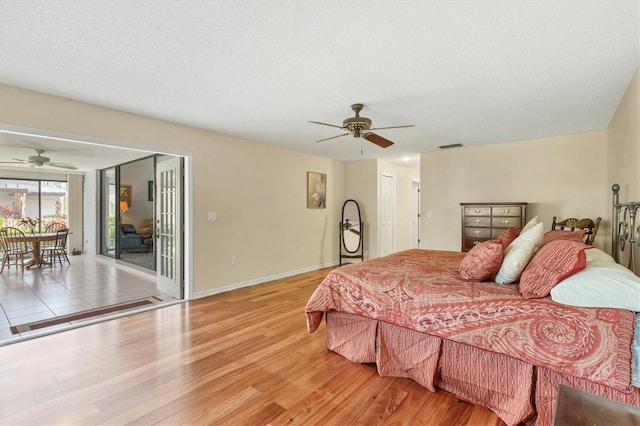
625 230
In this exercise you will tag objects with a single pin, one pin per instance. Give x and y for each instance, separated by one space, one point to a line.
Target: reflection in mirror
351 226
351 232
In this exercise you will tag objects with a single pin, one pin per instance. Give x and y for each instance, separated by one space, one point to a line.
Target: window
44 201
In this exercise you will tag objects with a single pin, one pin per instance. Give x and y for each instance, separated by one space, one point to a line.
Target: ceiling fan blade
326 124
62 166
391 127
378 140
332 137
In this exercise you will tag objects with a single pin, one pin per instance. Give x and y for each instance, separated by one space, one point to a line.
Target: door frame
383 195
92 224
415 214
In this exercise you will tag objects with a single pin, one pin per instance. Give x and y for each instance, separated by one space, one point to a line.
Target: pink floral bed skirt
515 390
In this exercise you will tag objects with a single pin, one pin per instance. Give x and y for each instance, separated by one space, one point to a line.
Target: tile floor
89 282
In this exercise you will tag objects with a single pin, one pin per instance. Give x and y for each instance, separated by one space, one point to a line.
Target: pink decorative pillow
553 263
482 262
507 237
577 236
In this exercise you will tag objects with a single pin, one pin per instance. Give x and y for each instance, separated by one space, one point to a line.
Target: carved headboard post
624 229
615 220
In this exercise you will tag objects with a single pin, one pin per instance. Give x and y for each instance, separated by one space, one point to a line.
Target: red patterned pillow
508 236
577 236
553 263
482 262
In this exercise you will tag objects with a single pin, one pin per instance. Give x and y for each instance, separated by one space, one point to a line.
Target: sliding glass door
109 214
127 212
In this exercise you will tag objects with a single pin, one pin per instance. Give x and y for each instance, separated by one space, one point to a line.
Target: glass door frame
108 198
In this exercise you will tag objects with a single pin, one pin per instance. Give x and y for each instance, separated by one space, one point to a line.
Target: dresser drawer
506 211
470 242
477 221
477 211
477 233
506 222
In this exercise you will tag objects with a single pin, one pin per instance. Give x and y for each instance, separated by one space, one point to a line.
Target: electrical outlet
234 260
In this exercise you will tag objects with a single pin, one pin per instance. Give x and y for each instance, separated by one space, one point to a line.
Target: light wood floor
239 358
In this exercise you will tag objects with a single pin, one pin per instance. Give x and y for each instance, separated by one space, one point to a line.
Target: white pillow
596 257
519 253
533 222
610 286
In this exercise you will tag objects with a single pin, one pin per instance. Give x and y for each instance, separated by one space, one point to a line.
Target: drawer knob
477 211
475 243
506 211
477 231
506 221
477 221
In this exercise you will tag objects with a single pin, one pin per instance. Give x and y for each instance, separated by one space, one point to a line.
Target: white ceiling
85 156
470 72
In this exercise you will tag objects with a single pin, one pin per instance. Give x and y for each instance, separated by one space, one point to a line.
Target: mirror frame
358 252
345 227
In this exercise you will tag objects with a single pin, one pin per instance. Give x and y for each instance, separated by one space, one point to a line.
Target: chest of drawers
485 221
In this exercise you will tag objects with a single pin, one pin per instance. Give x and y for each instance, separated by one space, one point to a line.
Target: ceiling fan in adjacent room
360 127
39 161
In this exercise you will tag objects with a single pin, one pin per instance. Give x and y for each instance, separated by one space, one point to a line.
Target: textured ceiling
470 72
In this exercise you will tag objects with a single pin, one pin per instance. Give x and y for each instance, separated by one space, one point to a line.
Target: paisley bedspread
422 290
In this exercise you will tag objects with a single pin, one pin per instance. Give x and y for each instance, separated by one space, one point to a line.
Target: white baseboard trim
261 280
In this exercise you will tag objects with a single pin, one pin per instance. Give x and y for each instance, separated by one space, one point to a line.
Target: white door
387 214
168 232
415 214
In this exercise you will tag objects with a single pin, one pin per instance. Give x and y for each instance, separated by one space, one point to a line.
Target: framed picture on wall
316 190
125 197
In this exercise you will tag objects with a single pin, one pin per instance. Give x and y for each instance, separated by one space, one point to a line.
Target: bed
505 346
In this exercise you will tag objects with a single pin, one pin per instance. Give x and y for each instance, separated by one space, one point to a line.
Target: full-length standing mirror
351 232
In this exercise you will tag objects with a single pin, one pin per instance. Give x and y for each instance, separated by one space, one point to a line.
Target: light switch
212 216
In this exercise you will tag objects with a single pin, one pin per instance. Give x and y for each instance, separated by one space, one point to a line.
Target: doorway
141 215
127 212
95 283
97 232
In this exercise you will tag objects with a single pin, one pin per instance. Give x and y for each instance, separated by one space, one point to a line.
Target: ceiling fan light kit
359 127
356 124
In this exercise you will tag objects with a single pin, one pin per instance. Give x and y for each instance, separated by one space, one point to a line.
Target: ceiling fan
39 161
360 127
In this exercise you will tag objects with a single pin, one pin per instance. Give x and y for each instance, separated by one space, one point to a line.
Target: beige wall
623 136
562 176
623 149
258 191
